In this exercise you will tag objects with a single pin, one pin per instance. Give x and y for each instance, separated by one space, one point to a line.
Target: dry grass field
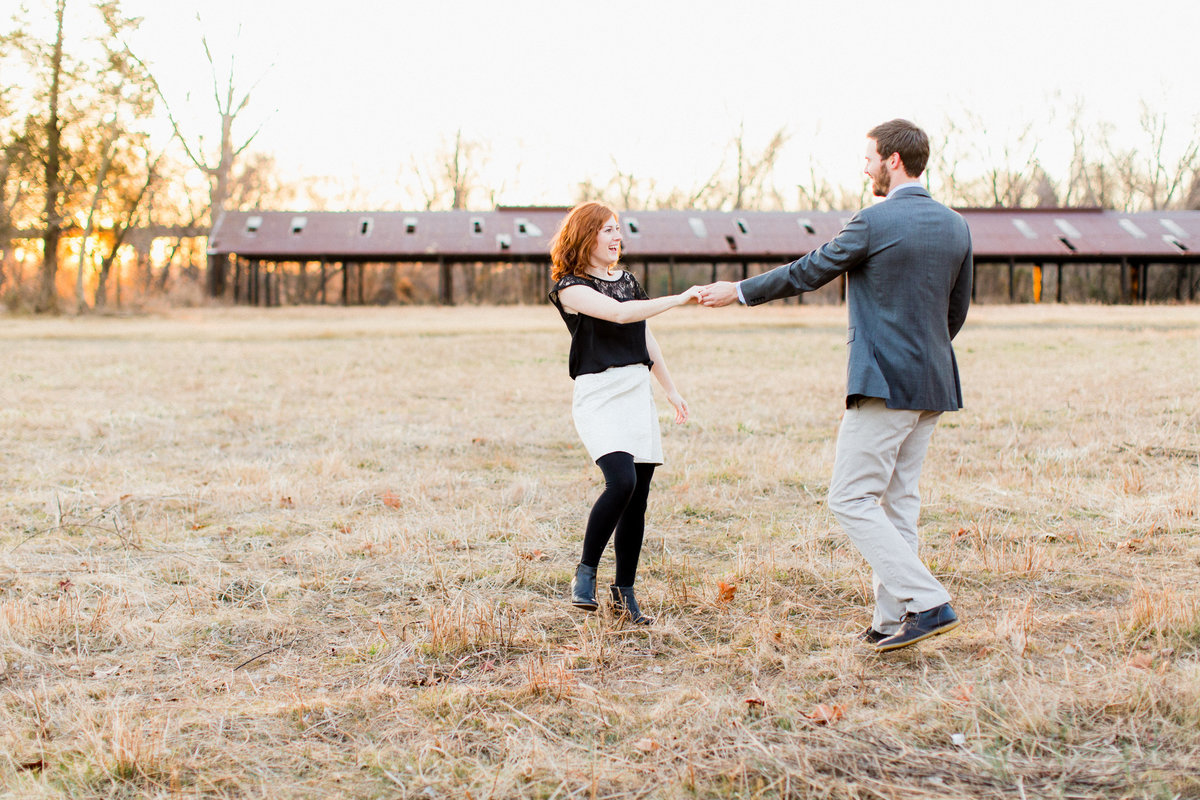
323 553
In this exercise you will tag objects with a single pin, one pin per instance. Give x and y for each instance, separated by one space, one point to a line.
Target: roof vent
633 226
1130 227
697 226
365 225
1068 228
1173 227
504 240
476 226
410 225
1169 239
1024 228
1067 243
253 224
806 223
527 228
729 240
742 226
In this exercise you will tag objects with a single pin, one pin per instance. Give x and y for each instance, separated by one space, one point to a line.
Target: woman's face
608 245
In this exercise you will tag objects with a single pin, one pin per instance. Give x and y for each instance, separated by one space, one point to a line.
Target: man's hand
718 294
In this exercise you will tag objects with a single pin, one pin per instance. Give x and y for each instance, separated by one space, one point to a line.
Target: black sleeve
562 283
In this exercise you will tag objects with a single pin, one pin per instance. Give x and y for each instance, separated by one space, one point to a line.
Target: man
908 269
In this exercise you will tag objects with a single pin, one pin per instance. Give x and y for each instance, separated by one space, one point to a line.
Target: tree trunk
48 293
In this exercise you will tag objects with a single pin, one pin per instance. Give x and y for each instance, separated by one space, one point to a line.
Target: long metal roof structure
523 235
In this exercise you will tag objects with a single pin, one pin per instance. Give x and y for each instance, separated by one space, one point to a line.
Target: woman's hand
692 295
680 405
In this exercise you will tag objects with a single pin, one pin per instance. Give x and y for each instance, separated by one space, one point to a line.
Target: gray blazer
908 272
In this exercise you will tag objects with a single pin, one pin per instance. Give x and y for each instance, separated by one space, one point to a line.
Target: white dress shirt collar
899 186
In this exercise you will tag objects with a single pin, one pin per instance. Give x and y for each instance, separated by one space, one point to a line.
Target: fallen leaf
390 500
1142 661
964 691
646 745
1130 544
755 702
286 502
825 714
961 533
726 591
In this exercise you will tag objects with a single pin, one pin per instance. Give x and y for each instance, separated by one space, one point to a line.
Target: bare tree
47 299
231 102
129 211
1163 183
453 175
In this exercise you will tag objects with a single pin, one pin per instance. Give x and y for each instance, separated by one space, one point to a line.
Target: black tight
620 509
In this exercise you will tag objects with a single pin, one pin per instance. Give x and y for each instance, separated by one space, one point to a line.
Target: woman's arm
582 299
663 376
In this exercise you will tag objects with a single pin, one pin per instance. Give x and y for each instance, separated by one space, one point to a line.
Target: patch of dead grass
319 552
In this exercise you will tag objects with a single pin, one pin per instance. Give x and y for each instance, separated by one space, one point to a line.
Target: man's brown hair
903 137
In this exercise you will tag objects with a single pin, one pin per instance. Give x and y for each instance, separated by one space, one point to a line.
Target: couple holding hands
908 269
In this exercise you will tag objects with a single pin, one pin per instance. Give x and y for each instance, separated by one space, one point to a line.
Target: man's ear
894 161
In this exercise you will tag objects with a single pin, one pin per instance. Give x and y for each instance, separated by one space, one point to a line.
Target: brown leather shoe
919 626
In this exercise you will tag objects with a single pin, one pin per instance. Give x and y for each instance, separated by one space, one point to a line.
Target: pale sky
561 91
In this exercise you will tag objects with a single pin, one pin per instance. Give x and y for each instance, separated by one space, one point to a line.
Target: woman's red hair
573 243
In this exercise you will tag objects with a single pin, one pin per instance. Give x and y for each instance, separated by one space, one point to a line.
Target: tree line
83 173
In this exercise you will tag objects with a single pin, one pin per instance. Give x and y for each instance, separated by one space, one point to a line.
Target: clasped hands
714 295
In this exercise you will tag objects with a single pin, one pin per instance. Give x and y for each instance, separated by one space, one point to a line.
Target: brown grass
318 552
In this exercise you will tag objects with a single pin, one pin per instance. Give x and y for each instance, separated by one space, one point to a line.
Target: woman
613 354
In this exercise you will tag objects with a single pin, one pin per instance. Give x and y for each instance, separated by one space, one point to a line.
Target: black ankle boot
625 603
583 588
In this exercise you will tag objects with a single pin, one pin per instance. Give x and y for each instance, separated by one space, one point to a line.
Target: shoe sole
586 606
930 635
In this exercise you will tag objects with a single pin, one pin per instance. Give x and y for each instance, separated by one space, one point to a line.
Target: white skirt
614 411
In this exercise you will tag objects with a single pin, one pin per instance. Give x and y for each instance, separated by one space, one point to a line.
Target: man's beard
881 182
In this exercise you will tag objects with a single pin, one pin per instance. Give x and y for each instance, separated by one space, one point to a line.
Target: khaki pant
875 496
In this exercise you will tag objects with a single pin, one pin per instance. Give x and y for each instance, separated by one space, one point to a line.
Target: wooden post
237 280
671 275
1012 281
1037 283
1058 284
445 282
324 277
1126 271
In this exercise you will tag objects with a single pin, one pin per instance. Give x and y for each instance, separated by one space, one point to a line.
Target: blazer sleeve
847 250
960 293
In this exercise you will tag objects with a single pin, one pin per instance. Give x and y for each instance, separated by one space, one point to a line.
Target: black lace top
597 344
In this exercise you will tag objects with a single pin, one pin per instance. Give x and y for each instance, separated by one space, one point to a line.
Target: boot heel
583 588
625 604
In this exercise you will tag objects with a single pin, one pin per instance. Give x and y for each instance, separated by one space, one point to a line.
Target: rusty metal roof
523 234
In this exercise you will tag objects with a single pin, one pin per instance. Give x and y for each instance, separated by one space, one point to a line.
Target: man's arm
960 294
847 250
